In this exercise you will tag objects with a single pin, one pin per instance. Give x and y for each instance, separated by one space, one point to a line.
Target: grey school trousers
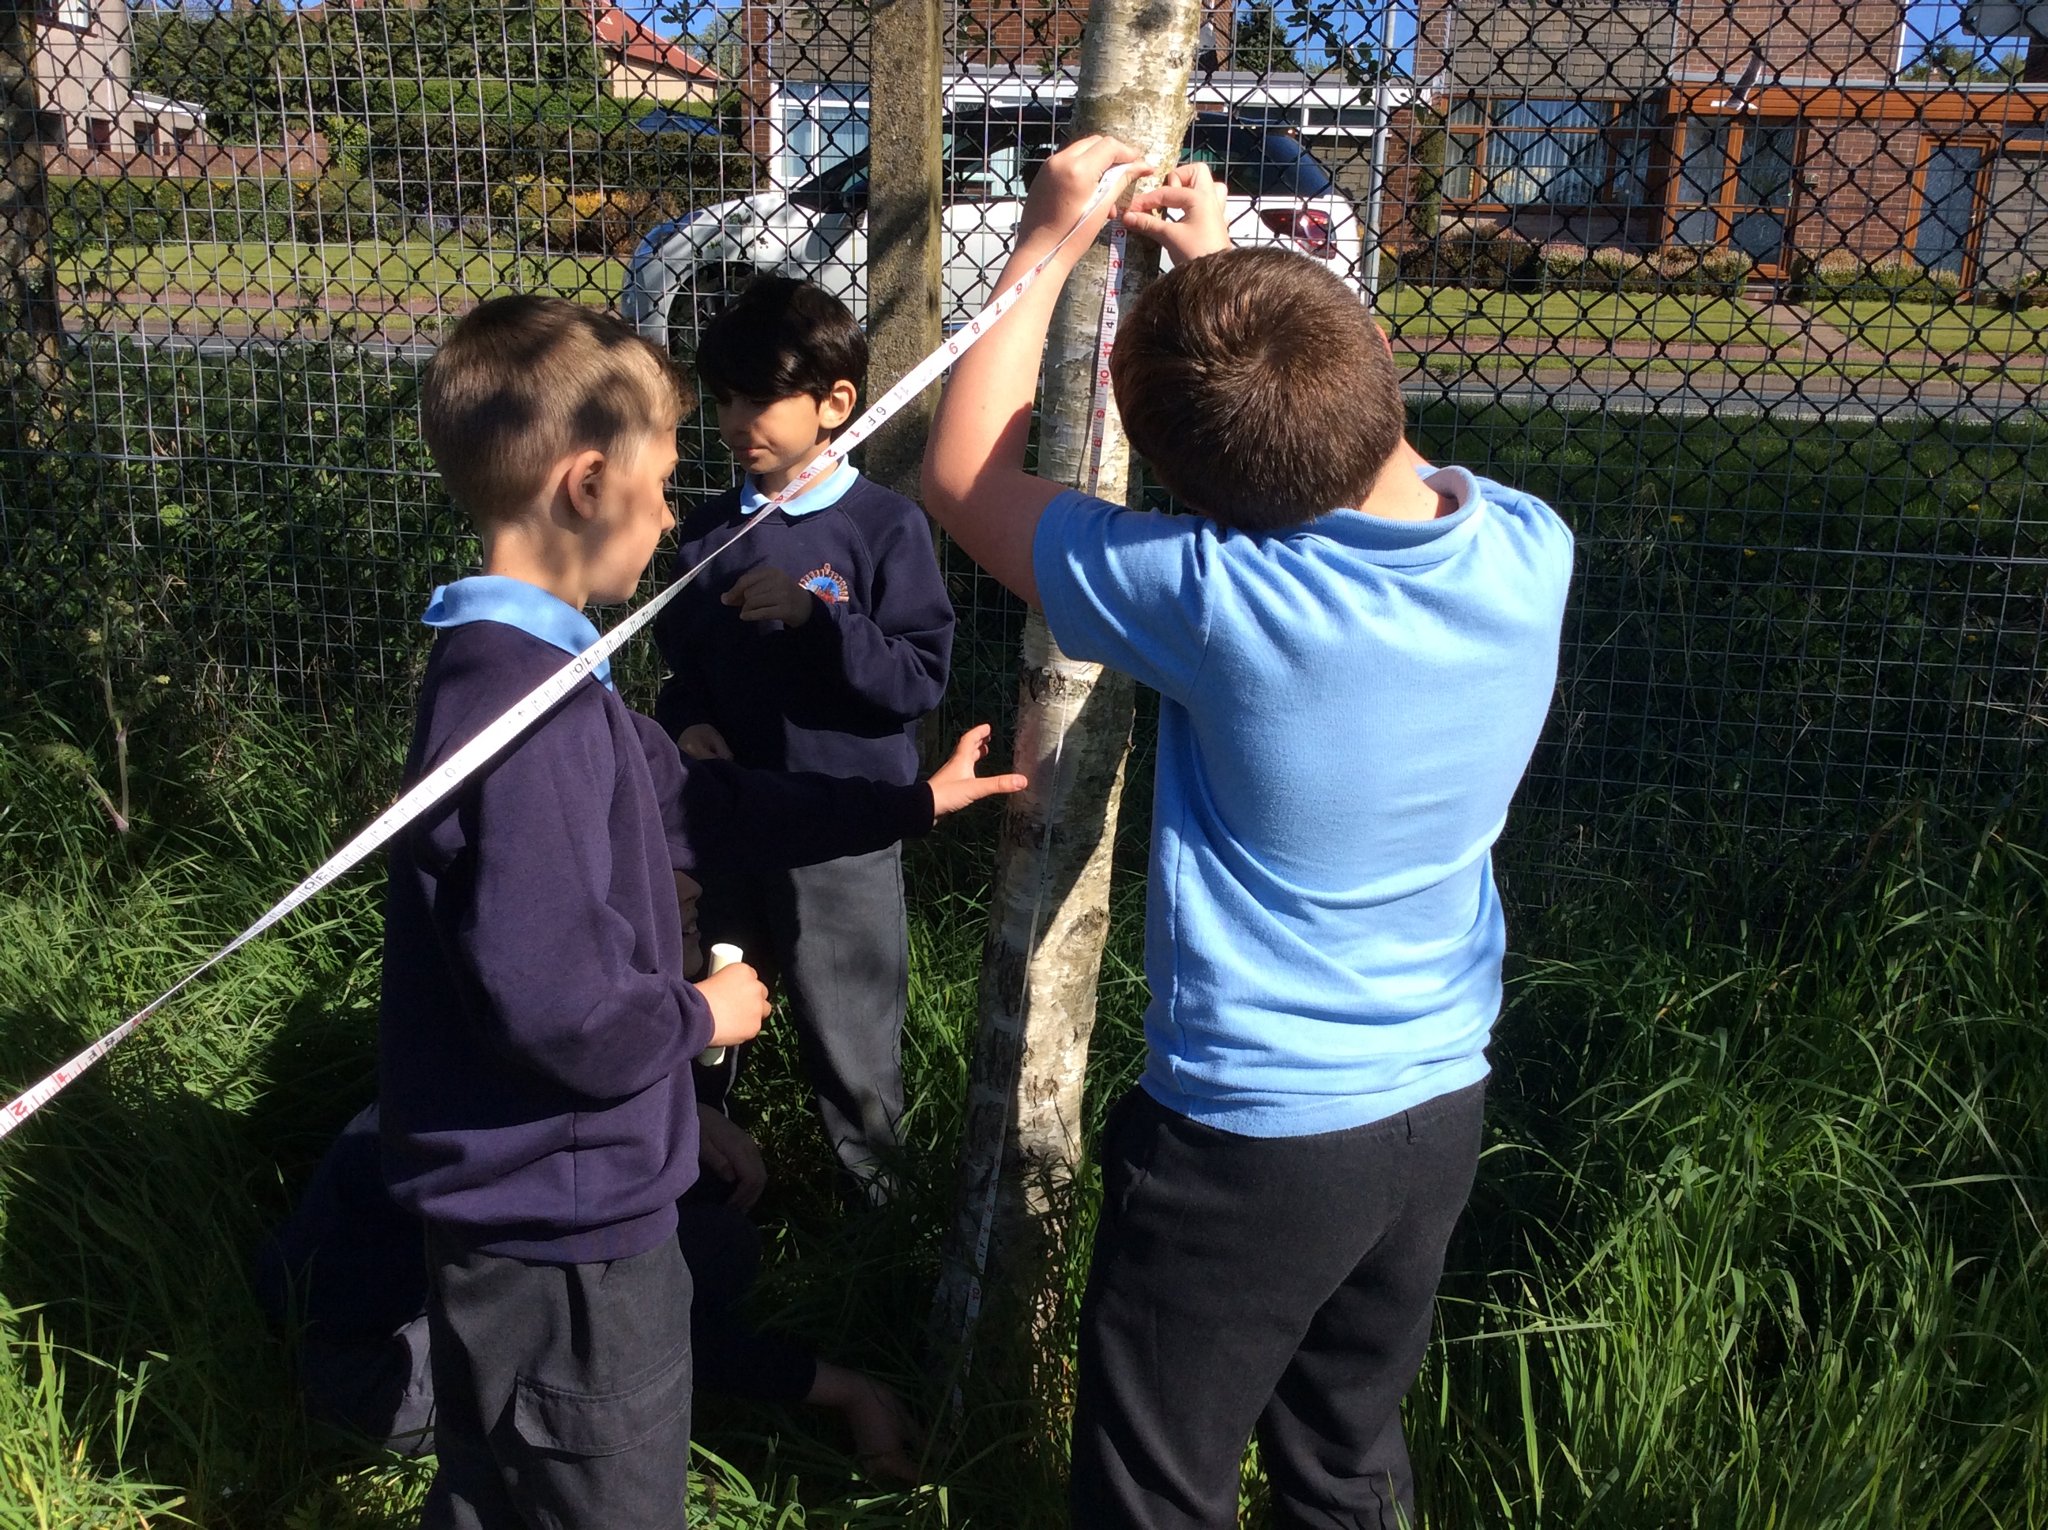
1277 1285
561 1391
834 938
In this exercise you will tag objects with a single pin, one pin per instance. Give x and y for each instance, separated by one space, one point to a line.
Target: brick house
87 107
1785 131
803 90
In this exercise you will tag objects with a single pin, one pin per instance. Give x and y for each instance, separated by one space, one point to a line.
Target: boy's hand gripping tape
722 957
529 709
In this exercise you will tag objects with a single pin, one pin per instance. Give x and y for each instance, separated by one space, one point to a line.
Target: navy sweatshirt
841 693
536 1030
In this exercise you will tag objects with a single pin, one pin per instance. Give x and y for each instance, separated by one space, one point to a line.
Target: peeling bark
1051 904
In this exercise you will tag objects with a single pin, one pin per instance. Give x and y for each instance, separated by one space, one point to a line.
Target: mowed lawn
1947 330
1420 313
439 272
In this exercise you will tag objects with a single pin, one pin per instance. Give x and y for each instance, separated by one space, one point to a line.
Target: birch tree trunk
1051 900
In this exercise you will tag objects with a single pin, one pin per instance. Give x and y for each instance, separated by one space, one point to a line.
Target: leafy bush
340 207
2016 294
1470 257
1505 260
92 214
439 147
606 222
1839 276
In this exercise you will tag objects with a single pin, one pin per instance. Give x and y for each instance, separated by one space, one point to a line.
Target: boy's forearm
975 485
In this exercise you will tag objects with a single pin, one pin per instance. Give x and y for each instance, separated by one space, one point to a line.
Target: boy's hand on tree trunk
954 785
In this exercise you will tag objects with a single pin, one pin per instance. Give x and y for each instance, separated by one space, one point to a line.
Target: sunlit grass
1755 1241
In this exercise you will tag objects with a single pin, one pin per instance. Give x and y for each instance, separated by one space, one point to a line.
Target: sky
1926 20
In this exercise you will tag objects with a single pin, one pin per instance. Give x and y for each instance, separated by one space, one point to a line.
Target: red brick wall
1631 45
1861 198
301 160
1836 41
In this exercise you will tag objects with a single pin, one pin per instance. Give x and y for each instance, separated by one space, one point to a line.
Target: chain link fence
1756 293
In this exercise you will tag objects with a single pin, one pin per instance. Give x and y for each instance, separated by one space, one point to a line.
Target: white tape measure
722 957
529 709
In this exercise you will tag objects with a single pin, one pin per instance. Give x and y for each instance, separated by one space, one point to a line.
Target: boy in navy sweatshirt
816 644
537 1029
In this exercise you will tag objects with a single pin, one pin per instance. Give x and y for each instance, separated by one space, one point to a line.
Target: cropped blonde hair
522 382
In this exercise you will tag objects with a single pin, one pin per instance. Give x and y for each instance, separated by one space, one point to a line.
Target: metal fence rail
1755 293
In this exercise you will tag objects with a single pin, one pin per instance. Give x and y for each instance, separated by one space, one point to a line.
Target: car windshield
992 153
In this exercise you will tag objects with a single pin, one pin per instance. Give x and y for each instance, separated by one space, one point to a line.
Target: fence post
30 318
1050 909
906 99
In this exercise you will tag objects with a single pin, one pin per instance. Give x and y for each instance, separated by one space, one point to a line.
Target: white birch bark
1051 903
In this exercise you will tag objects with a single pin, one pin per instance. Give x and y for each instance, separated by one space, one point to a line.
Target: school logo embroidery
828 586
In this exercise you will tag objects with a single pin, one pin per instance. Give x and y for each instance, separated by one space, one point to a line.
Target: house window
1535 153
824 125
1734 185
52 129
75 14
1948 206
145 138
99 134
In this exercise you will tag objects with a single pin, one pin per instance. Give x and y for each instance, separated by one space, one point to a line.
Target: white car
684 270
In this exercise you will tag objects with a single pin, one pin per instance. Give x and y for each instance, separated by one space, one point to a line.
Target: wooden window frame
1611 133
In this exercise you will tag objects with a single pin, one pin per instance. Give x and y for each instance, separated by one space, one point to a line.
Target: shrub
1839 276
1709 272
2016 294
603 222
1471 257
339 207
92 214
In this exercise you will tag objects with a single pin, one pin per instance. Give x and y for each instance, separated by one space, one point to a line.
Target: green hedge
92 214
1506 260
1840 277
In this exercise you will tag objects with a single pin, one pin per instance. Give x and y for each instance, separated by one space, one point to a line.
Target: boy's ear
837 407
583 484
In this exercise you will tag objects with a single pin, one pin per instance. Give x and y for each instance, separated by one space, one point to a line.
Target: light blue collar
515 603
829 490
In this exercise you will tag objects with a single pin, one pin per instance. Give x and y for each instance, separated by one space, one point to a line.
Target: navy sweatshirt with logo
842 693
536 1031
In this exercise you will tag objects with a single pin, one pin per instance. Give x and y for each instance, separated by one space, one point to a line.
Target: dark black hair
779 338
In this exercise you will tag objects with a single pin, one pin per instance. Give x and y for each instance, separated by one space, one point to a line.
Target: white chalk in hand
723 956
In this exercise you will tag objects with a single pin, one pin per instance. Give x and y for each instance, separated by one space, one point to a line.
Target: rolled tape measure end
722 957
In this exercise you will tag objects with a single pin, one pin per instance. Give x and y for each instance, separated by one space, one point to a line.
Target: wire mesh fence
1756 293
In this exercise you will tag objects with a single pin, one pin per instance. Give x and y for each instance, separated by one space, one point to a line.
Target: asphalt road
1644 393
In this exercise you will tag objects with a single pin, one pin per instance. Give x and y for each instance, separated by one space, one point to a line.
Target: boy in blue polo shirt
537 1025
818 643
1354 655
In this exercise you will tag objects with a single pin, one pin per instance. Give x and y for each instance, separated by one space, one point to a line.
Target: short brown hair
521 382
1259 389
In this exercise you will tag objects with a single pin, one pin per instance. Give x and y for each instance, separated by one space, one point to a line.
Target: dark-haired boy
1354 655
536 1030
816 644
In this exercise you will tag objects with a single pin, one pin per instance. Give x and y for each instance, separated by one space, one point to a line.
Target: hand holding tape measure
723 957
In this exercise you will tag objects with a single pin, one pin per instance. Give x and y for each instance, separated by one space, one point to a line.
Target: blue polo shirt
1346 709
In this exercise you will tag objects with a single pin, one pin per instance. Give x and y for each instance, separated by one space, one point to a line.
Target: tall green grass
1756 1240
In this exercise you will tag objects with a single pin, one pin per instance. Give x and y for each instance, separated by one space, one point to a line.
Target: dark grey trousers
835 938
561 1391
1278 1285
